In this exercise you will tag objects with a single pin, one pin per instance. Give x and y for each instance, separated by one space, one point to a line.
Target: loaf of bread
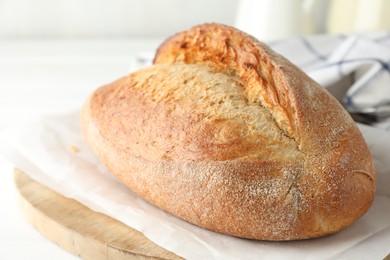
226 134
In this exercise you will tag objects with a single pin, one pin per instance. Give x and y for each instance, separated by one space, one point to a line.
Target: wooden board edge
79 230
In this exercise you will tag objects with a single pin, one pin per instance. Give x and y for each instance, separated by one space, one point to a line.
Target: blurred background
269 19
102 18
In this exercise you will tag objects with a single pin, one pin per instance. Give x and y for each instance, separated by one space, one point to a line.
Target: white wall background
109 18
160 18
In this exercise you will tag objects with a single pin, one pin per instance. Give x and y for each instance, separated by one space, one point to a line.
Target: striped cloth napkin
354 68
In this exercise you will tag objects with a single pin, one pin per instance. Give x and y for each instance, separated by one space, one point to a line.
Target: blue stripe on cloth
385 65
311 48
345 54
348 99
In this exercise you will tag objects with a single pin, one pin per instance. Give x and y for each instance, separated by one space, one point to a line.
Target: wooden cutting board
79 230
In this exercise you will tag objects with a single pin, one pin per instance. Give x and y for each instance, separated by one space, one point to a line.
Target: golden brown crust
228 135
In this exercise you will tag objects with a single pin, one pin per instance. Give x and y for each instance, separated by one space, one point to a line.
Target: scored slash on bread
227 134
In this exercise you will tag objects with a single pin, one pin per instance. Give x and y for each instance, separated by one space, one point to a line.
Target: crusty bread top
268 79
223 126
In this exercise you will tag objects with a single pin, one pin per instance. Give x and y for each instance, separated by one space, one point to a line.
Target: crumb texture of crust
226 134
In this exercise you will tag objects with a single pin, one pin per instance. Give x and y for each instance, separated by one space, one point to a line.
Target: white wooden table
43 77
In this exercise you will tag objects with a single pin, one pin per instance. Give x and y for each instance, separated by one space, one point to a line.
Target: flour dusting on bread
226 134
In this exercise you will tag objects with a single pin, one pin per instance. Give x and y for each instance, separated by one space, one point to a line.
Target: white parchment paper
52 151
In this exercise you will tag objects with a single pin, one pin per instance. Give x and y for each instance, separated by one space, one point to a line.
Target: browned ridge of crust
227 134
